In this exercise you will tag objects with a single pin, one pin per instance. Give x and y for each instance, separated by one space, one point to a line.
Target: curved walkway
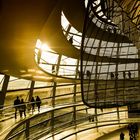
105 125
6 123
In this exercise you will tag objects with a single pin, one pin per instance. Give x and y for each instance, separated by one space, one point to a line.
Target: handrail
102 82
51 109
68 125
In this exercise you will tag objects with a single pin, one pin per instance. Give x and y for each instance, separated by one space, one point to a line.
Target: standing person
116 75
129 127
38 103
71 40
79 74
22 108
101 109
33 104
123 74
112 75
53 68
135 130
16 106
129 74
88 74
122 136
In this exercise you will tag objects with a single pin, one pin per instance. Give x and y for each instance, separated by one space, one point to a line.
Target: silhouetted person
131 138
33 104
112 75
79 74
135 130
101 109
129 74
38 103
16 105
124 75
129 127
109 29
122 136
71 40
53 68
22 108
88 74
91 118
114 29
116 75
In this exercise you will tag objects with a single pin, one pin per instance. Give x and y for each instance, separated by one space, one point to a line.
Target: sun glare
38 44
42 46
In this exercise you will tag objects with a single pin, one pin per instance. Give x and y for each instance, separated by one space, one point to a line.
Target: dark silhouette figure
91 118
133 131
109 29
112 75
129 74
121 136
116 75
88 74
124 75
101 109
38 103
129 127
71 40
114 30
22 108
16 105
79 73
53 68
33 104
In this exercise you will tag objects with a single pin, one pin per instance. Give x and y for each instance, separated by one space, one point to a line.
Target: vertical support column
74 95
4 90
133 109
74 98
96 118
139 74
27 132
74 107
53 105
138 65
96 85
31 90
116 85
58 64
53 96
30 93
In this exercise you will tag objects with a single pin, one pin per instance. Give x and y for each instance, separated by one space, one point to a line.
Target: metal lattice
112 78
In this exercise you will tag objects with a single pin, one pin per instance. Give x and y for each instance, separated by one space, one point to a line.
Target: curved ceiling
52 34
21 24
77 11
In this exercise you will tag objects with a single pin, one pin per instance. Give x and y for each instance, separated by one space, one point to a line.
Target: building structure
73 78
